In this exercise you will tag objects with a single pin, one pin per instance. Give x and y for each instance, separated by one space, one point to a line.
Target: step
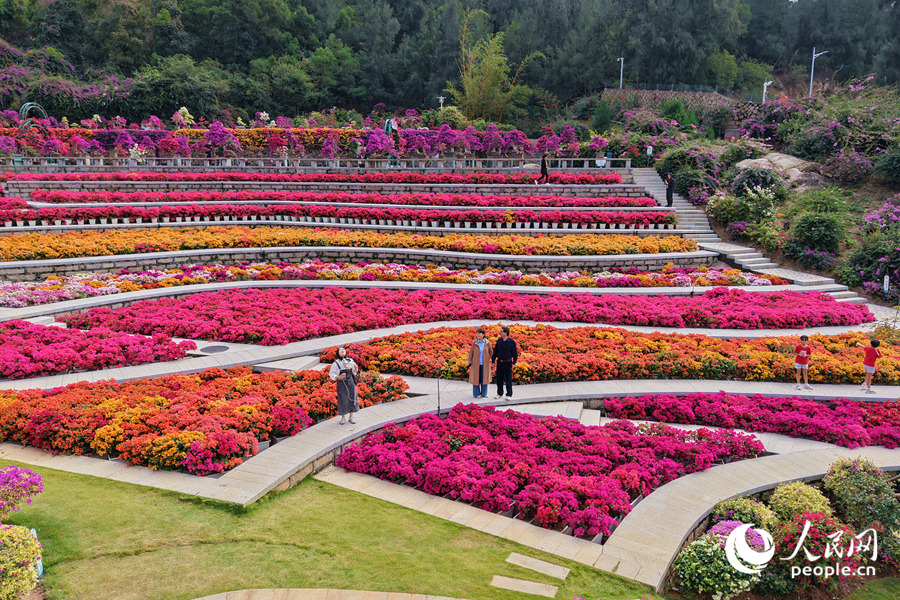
537 565
590 417
856 300
843 294
744 255
524 587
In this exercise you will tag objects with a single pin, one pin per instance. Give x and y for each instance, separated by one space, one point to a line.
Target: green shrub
831 199
862 494
702 567
754 177
818 231
18 553
761 204
868 265
687 179
888 164
816 541
742 149
727 209
602 117
744 510
675 110
795 498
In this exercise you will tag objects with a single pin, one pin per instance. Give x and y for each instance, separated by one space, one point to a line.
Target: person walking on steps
545 170
670 189
480 364
506 354
345 372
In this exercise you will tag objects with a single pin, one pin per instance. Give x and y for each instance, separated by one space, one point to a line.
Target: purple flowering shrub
848 167
17 485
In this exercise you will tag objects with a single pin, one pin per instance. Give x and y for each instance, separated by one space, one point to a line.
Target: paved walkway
246 354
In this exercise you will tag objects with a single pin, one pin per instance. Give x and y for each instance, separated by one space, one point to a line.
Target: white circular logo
740 554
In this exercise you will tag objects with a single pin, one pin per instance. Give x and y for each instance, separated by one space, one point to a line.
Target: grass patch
105 539
883 589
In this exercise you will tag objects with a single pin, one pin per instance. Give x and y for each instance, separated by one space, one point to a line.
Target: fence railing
290 165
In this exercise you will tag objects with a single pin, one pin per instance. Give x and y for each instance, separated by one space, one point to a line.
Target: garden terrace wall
39 270
24 188
482 228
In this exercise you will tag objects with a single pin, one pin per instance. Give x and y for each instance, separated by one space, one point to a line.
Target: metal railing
292 165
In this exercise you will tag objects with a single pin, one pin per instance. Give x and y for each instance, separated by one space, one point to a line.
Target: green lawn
885 589
104 539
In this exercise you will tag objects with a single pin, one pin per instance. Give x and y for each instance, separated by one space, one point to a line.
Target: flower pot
165 219
449 224
32 222
554 225
435 224
22 223
57 221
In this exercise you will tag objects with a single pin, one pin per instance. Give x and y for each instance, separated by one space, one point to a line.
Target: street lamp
765 89
621 60
812 69
441 100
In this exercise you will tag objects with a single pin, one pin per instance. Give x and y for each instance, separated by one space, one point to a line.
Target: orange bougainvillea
203 423
548 354
100 243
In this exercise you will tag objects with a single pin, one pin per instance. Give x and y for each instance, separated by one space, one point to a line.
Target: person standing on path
345 372
670 189
506 353
801 361
480 364
545 170
872 355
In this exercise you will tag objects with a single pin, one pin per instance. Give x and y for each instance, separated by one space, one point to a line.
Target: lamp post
441 100
812 70
621 61
765 89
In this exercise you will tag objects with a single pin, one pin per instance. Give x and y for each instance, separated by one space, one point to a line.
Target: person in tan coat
480 355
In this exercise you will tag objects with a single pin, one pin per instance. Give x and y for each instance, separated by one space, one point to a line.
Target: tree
486 91
723 69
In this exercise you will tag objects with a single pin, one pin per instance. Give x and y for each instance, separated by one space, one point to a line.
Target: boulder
800 175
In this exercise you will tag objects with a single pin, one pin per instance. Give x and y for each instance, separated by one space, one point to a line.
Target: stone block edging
37 270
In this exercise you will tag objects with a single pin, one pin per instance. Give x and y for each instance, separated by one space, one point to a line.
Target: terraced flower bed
547 354
488 200
485 178
29 350
280 316
843 422
102 243
384 216
202 424
554 471
58 289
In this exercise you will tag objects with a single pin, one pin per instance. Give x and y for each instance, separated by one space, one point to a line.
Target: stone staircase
690 217
694 220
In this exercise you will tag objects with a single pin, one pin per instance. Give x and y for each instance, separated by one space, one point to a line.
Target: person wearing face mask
345 372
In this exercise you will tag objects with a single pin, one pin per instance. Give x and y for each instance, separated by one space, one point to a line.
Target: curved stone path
272 357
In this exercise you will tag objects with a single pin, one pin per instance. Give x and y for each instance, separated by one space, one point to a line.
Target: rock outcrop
801 175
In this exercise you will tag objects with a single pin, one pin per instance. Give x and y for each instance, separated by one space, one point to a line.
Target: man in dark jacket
506 353
670 189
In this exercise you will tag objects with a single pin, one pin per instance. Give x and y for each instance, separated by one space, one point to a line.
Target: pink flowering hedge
29 350
278 316
553 470
487 178
843 422
137 214
488 200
